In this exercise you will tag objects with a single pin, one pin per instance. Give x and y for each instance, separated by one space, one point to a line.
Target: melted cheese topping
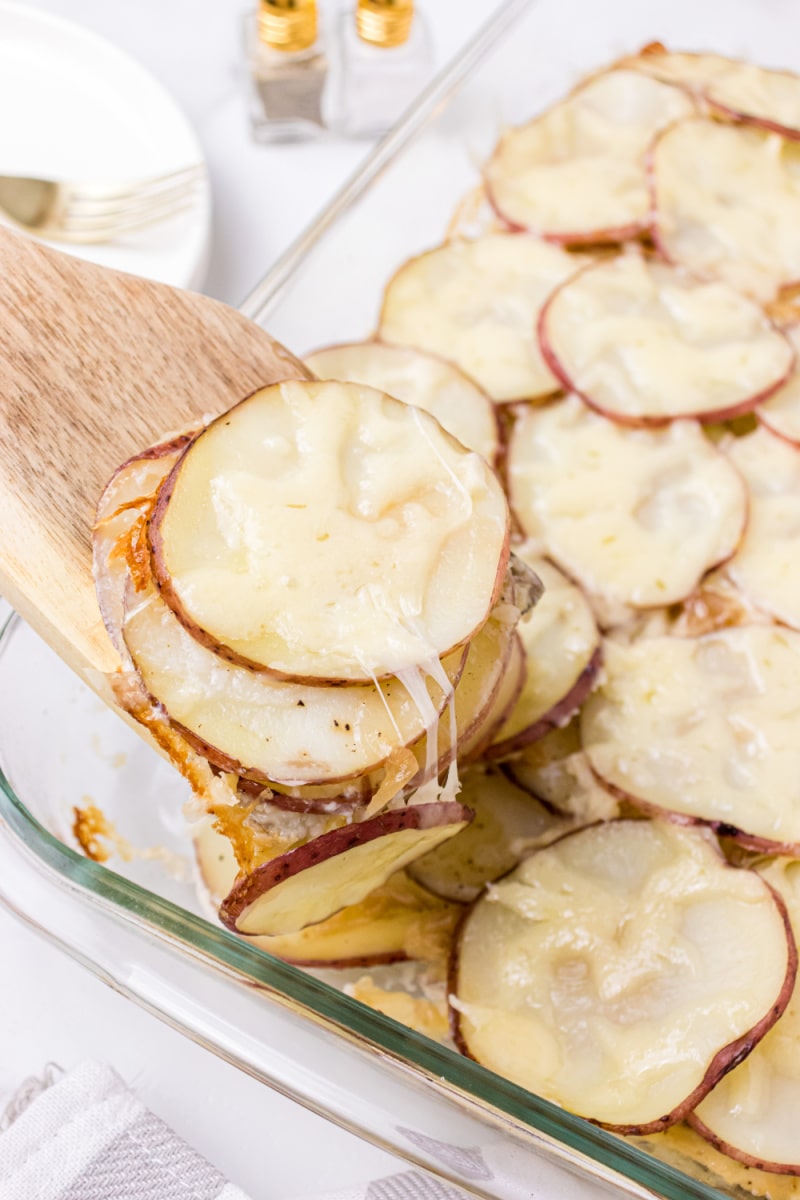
754 1108
489 663
611 967
477 303
640 340
560 639
428 382
727 204
634 515
704 726
326 531
578 172
767 564
781 413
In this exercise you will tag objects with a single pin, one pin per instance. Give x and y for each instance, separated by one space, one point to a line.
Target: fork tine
97 192
98 210
107 230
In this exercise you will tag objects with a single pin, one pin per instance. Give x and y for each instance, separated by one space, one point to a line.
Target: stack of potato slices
313 594
319 616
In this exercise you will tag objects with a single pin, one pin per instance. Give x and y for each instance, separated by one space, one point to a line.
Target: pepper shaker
288 71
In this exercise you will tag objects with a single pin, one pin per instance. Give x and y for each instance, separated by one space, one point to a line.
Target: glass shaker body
373 85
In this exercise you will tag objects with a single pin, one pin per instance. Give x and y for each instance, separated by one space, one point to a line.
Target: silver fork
91 211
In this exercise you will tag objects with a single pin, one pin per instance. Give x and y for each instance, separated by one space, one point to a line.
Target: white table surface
50 1009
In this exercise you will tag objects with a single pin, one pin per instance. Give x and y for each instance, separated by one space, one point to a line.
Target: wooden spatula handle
94 366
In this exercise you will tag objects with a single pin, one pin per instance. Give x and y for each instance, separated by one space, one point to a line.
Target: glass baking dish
139 923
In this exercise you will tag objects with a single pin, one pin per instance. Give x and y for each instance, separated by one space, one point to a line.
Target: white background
50 1009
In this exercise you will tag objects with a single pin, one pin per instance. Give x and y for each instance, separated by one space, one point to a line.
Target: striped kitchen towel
85 1136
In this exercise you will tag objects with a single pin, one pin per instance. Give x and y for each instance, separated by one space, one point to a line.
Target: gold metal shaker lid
384 22
289 25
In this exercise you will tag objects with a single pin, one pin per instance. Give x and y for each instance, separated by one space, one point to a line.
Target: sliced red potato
621 971
268 729
690 70
752 1113
139 478
216 859
635 516
121 561
704 729
781 412
477 303
473 747
556 771
397 921
508 824
341 797
327 532
726 204
577 174
643 343
425 380
739 90
766 566
562 654
311 883
126 502
755 96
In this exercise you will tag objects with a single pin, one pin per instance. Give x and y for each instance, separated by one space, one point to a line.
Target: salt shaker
288 71
384 59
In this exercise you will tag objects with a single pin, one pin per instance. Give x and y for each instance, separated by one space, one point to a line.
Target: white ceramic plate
75 107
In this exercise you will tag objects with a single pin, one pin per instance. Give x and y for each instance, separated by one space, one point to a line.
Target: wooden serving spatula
95 366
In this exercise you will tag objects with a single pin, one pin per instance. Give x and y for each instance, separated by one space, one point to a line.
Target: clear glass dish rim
461 1077
192 935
